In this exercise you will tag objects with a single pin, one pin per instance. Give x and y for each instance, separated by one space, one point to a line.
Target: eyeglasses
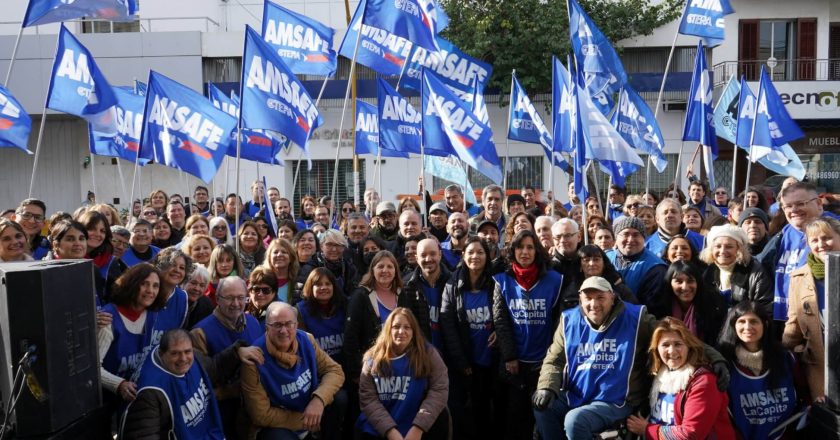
633 205
278 325
219 228
797 205
568 236
233 299
260 290
346 209
30 216
720 193
119 243
150 213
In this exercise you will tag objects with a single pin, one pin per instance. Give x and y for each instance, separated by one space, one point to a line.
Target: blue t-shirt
477 308
383 311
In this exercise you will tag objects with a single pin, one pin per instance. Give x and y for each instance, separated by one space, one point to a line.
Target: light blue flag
618 171
596 58
367 131
563 108
489 154
635 122
304 44
15 123
577 140
399 122
78 87
379 49
126 142
455 68
449 168
184 129
272 97
53 11
705 19
414 20
449 123
603 143
526 124
773 125
726 116
746 115
699 120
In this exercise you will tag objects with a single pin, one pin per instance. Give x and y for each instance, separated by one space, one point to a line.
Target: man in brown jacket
292 391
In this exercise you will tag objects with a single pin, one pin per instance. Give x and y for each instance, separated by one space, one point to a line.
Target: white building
200 41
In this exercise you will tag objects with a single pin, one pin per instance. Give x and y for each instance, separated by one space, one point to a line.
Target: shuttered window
319 181
523 170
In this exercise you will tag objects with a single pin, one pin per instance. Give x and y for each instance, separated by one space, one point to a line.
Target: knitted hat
628 222
753 212
514 198
728 231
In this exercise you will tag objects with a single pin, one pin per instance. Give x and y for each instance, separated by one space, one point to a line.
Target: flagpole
583 202
752 139
659 99
93 172
507 131
679 156
595 181
238 205
14 55
341 123
133 178
300 156
38 149
379 169
122 179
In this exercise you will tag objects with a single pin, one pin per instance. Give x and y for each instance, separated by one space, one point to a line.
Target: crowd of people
678 318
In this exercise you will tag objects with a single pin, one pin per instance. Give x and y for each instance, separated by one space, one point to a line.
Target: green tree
523 34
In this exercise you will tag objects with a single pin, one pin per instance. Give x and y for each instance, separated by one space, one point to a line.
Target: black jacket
569 267
750 282
345 271
453 318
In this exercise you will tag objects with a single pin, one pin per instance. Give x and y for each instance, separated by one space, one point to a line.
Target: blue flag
746 115
399 122
379 49
304 44
636 123
126 142
140 87
184 129
563 108
705 19
455 68
596 58
450 168
256 145
449 123
282 142
577 141
773 125
726 115
15 123
272 97
526 124
78 87
414 20
53 11
367 131
699 120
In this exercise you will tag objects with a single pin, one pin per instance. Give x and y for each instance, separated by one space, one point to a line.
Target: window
319 181
791 42
521 171
101 26
659 182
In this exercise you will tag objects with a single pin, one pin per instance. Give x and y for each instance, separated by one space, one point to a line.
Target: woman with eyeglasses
401 355
721 200
195 284
100 249
282 260
631 205
346 208
220 230
266 234
251 251
262 291
13 244
120 237
224 262
69 240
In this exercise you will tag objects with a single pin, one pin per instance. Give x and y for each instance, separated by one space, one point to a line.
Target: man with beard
491 200
357 230
754 222
437 221
565 260
488 232
386 223
453 247
283 209
429 279
669 222
542 226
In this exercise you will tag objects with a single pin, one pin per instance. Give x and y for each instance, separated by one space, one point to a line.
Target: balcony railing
785 70
159 24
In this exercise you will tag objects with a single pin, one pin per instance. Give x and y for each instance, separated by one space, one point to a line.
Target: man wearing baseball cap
642 270
386 223
755 223
438 215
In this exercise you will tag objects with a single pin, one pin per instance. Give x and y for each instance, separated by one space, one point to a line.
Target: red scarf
102 259
128 312
525 276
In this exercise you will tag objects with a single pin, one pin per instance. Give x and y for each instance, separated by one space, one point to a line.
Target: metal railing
800 69
100 26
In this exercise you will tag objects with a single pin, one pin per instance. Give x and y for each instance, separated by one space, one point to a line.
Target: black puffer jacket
453 317
750 282
344 271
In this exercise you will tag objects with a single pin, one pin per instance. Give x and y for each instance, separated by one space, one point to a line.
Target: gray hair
555 228
491 189
229 282
198 271
276 307
121 231
166 259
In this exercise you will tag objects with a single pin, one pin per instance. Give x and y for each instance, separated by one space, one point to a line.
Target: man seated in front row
292 392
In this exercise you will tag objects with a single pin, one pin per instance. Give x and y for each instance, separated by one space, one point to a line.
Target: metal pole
752 137
14 56
238 205
343 111
507 131
38 149
93 173
122 179
583 203
300 156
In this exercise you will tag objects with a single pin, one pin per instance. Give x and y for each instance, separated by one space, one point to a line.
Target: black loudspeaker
832 331
48 326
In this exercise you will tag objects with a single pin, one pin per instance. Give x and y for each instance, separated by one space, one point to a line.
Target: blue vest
477 308
600 362
401 393
218 337
530 311
328 332
655 244
172 316
633 273
127 350
449 257
757 409
290 388
131 259
304 224
252 208
662 411
791 255
195 414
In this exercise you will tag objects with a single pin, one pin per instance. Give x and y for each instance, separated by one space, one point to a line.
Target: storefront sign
808 99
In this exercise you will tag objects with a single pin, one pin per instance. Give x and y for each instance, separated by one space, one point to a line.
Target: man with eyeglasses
331 256
788 250
721 200
386 223
564 258
30 215
227 326
141 248
642 270
120 240
298 391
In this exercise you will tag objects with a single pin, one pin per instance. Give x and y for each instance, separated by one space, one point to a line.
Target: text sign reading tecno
808 99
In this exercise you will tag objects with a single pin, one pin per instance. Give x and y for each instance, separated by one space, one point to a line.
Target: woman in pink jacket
684 400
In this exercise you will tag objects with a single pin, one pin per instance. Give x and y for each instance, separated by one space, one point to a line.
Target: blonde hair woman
281 259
